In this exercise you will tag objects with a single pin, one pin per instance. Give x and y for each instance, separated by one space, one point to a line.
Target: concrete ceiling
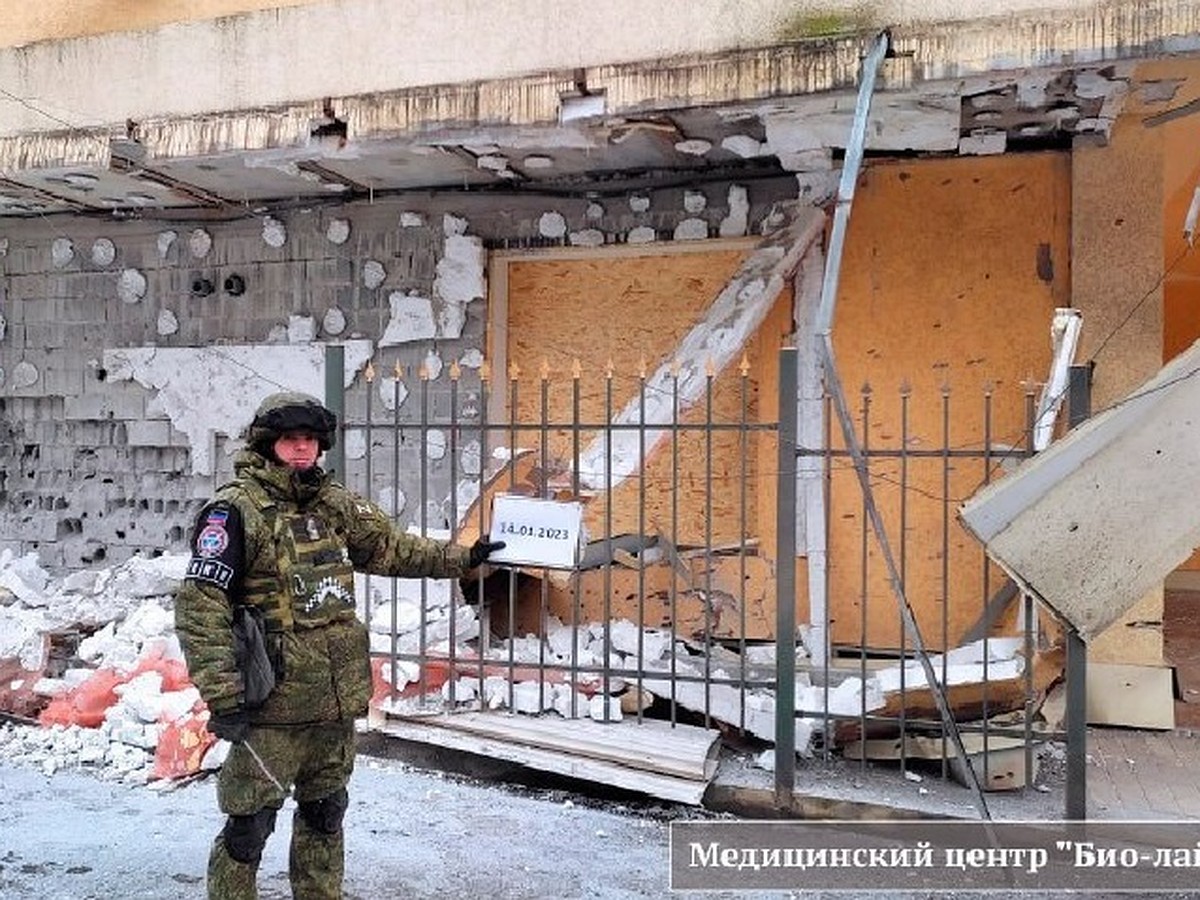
588 150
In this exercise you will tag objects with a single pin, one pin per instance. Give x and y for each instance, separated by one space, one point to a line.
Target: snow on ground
408 834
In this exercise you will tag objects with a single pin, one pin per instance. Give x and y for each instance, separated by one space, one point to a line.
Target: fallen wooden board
1133 696
969 701
657 596
683 751
546 747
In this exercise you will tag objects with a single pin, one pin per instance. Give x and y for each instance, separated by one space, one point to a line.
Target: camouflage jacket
290 546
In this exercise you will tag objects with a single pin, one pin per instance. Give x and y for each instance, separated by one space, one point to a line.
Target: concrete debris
96 660
962 665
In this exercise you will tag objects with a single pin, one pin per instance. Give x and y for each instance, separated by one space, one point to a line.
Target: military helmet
290 411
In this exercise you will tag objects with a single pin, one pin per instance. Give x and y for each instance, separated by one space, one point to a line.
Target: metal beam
850 170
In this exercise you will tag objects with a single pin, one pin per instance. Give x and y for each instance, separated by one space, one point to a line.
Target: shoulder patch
210 570
217 551
213 536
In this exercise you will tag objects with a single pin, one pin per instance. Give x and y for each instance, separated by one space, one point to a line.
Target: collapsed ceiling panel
98 188
378 144
1060 524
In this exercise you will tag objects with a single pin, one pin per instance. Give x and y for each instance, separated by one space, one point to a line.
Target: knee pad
325 815
246 836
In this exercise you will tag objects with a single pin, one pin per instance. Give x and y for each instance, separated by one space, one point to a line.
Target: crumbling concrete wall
133 352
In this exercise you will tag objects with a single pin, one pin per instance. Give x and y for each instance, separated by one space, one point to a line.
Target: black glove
232 727
482 549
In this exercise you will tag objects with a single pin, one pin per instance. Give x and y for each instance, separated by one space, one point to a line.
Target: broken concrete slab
1102 516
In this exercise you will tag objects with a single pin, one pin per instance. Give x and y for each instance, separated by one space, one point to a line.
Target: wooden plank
622 251
992 611
1134 696
563 311
682 751
655 784
916 746
1136 638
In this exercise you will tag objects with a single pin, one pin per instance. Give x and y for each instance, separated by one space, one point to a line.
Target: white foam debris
124 616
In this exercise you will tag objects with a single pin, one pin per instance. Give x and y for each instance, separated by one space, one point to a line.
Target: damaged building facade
193 213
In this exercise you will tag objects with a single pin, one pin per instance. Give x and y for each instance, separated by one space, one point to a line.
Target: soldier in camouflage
279 546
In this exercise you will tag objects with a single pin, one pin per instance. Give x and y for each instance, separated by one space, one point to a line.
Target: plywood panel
952 272
1136 638
625 315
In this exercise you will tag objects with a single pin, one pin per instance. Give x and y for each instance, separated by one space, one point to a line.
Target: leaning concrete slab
1103 515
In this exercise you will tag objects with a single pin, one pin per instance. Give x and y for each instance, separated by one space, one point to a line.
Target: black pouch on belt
250 654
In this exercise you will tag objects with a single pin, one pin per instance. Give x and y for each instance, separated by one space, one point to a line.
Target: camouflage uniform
288 543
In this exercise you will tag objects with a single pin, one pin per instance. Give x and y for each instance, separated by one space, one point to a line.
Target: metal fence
686 604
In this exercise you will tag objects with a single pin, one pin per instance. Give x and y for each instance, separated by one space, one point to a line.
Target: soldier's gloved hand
482 549
232 726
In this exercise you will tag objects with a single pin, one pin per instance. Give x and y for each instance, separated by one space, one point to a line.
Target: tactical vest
313 580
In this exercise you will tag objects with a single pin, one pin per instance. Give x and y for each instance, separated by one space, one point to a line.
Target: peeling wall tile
337 231
167 323
274 232
199 243
131 286
62 251
103 251
588 237
373 274
301 329
412 320
392 392
736 222
552 225
334 321
163 243
460 271
691 230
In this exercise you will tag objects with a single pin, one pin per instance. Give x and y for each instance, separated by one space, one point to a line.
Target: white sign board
535 532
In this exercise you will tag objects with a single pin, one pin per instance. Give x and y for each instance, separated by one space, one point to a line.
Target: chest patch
307 529
328 589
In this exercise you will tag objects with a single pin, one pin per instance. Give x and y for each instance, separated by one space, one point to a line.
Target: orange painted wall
1181 177
27 23
951 274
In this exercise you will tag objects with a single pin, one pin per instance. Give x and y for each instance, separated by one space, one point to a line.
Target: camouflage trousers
317 760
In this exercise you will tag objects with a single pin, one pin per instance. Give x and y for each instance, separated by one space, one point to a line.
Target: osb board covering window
951 274
631 312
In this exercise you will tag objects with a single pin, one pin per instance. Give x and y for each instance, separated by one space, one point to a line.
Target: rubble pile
96 664
94 661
